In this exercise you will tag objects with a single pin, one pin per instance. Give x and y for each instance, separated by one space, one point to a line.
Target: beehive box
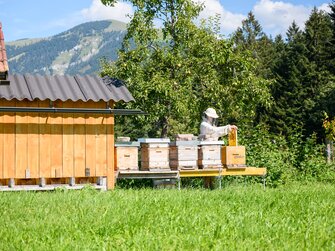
210 154
126 156
184 155
233 156
154 154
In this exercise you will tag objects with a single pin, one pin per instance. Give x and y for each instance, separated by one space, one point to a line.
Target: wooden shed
57 129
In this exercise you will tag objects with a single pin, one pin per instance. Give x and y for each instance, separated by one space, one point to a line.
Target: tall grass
293 217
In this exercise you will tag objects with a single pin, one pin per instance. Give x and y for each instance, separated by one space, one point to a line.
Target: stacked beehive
184 152
210 154
154 154
126 154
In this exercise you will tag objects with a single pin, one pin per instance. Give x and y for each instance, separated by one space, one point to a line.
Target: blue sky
41 18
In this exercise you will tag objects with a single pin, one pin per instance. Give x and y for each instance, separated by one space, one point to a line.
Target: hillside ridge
74 51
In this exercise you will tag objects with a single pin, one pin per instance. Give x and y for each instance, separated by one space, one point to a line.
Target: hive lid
125 144
185 143
154 140
219 142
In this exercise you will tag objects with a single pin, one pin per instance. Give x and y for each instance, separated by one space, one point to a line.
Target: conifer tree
318 37
250 37
332 42
288 91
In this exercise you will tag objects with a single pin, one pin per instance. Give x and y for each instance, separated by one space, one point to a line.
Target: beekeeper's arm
209 130
218 131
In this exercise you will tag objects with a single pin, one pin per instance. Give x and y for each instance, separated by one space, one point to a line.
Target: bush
286 159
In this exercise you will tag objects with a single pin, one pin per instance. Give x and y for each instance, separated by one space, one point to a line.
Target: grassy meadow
238 217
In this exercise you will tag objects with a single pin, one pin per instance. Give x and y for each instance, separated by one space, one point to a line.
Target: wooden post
79 141
9 142
101 142
329 152
45 142
110 151
1 141
56 121
90 142
332 149
33 142
68 142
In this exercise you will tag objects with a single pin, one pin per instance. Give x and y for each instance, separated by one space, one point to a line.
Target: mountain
75 51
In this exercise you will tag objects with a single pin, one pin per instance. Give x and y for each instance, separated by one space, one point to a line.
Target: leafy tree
177 71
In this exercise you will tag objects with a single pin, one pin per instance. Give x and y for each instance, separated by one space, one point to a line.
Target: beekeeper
208 129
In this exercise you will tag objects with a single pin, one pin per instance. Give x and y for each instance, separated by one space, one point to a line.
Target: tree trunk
165 127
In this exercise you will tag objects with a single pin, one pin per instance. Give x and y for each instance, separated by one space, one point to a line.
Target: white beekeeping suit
208 130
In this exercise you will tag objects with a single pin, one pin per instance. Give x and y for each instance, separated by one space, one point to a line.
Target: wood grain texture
68 142
1 141
9 141
56 123
90 144
101 143
126 158
52 145
110 151
79 141
21 137
33 142
45 142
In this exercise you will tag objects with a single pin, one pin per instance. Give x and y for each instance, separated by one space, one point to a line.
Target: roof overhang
72 110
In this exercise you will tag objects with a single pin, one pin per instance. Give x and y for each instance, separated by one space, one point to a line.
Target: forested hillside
77 50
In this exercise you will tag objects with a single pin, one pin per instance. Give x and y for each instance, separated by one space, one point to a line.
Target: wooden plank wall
35 145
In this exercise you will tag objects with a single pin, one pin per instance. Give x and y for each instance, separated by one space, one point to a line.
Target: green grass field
296 217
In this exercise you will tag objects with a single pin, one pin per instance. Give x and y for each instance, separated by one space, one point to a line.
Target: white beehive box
210 154
126 156
154 154
184 155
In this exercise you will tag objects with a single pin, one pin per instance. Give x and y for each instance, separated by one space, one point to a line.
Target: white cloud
229 21
325 7
276 16
98 11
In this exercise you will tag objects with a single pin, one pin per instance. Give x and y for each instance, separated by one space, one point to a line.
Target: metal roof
3 56
64 88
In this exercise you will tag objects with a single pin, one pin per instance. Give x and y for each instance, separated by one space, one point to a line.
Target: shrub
286 158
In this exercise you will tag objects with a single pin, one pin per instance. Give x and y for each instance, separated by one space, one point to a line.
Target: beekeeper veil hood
210 116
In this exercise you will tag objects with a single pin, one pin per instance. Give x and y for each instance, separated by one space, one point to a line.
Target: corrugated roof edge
116 93
63 100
